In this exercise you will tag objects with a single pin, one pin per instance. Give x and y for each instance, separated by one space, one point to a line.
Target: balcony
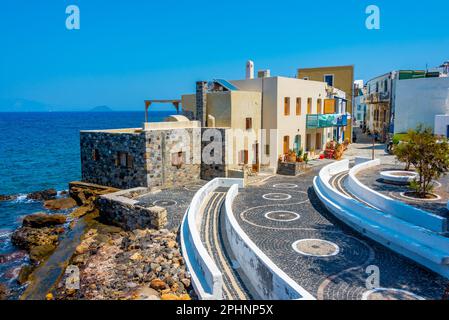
377 97
317 121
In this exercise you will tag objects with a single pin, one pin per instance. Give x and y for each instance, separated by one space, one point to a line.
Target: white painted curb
207 279
270 282
419 244
394 207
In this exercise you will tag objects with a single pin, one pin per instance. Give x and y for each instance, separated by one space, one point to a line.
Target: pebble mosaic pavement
341 276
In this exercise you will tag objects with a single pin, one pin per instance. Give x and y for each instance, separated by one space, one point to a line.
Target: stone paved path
212 237
284 217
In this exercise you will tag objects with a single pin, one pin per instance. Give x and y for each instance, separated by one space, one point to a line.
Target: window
267 149
309 106
298 106
95 155
386 85
305 78
178 159
318 106
124 160
249 123
286 106
243 157
329 79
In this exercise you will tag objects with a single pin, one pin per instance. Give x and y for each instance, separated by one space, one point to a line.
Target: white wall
441 125
270 282
275 89
419 101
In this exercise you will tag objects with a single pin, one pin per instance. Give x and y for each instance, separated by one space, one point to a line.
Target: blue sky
127 51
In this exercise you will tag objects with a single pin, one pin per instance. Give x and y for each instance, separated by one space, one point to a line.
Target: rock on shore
39 235
139 264
43 195
60 204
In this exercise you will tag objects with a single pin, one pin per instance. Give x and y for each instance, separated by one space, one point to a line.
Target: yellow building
341 77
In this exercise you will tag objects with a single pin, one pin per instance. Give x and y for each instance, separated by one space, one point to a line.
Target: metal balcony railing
316 121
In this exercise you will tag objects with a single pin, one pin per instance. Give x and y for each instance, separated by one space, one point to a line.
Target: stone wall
150 157
218 169
162 146
104 168
290 168
121 210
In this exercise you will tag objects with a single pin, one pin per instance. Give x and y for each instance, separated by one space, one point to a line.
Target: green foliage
428 154
300 153
398 137
306 158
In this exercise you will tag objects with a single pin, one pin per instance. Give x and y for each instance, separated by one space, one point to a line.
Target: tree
402 153
428 154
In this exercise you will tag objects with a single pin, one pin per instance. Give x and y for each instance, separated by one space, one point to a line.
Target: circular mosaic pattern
282 215
389 294
285 185
316 247
164 203
276 196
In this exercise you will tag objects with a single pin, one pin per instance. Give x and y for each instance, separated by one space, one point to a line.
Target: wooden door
286 144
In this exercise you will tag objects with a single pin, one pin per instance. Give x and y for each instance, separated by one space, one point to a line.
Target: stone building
160 155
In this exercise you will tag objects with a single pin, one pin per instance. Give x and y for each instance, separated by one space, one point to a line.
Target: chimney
201 102
263 73
249 69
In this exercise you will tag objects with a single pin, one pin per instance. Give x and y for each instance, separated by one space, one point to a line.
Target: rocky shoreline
127 265
111 263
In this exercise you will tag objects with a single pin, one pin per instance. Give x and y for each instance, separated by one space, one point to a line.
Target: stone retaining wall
121 210
104 167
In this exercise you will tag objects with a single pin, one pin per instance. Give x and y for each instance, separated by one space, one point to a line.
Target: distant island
101 109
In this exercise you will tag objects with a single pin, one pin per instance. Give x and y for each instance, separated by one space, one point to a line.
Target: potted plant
299 155
292 156
306 158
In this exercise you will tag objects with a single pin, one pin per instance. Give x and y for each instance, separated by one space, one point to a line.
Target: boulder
24 274
3 292
40 220
26 237
60 204
7 197
43 195
145 293
82 211
39 253
158 284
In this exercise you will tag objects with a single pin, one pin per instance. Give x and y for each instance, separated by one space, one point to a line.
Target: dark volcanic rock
3 292
39 253
24 274
26 237
40 220
60 204
43 195
7 197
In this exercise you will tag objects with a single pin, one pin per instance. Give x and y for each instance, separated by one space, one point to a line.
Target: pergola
148 103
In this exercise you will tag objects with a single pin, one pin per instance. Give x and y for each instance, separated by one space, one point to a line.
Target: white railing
207 279
270 282
394 207
417 243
